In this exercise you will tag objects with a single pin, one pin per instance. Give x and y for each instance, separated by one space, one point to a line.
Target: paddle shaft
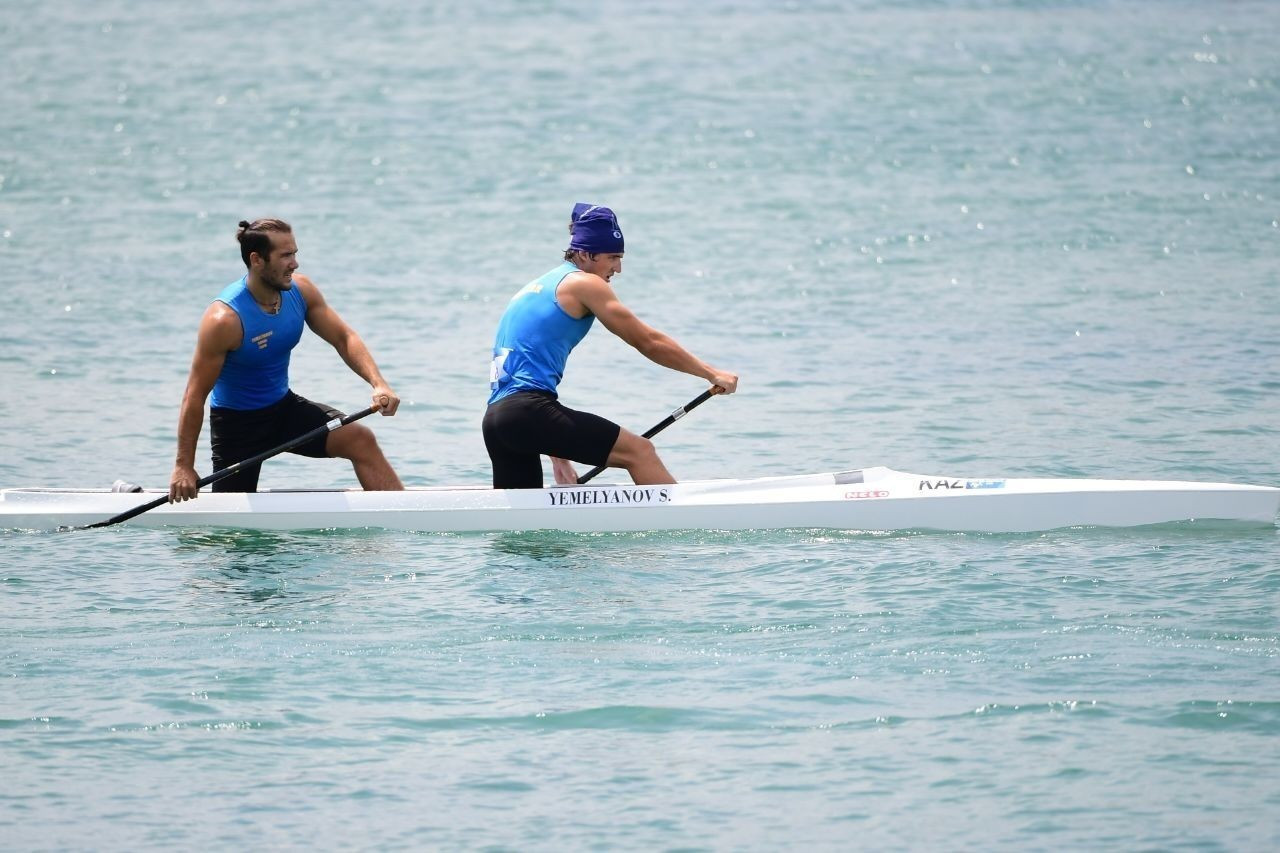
328 427
659 427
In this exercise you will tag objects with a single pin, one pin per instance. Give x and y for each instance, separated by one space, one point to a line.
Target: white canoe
871 499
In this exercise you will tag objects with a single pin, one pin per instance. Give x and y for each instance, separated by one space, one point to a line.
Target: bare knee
631 449
353 441
637 454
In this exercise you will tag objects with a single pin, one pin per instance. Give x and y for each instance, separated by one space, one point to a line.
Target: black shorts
519 428
238 434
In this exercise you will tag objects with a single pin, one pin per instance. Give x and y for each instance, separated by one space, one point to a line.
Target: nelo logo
857 496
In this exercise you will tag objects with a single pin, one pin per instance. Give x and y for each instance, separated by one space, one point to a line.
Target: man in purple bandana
542 324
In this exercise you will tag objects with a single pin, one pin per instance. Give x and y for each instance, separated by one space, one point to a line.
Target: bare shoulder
218 315
581 280
588 288
581 293
310 292
220 326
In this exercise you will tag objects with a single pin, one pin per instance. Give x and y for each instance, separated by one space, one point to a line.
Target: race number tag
496 372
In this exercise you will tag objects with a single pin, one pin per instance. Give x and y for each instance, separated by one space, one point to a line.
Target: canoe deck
870 499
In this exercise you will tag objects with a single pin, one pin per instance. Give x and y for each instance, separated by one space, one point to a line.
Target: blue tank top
256 373
535 337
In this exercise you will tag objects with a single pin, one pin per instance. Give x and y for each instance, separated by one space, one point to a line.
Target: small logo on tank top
261 340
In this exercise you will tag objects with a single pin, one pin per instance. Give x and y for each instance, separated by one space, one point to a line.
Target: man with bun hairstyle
242 356
541 325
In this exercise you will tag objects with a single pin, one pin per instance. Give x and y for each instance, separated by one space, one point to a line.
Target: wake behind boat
870 499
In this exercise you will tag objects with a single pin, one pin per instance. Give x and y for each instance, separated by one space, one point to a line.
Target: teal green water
980 239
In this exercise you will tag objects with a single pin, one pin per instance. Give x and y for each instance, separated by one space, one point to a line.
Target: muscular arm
594 295
219 333
327 323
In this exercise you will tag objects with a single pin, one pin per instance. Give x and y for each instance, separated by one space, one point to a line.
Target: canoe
868 499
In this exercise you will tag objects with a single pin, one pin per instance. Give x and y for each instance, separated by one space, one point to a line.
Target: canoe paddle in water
324 428
659 427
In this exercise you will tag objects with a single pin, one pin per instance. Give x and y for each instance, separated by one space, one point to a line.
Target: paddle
659 427
330 426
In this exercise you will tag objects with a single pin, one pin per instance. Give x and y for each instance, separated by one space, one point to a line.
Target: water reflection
591 548
269 568
558 572
539 547
238 543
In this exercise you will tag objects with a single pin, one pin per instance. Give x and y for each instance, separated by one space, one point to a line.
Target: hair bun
244 224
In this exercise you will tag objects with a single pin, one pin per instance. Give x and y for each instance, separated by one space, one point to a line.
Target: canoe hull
875 499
